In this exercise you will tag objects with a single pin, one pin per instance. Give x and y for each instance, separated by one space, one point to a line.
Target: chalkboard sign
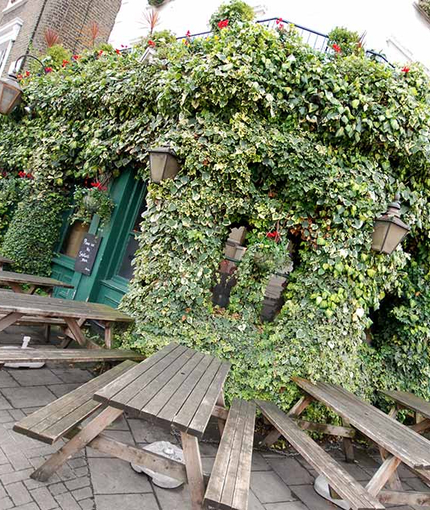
87 254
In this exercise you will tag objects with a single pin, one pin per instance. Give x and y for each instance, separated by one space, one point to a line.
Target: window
73 240
8 35
125 268
12 4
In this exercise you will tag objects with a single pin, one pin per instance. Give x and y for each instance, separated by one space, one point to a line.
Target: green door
112 270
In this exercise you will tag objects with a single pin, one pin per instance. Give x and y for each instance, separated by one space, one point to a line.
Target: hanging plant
91 201
156 3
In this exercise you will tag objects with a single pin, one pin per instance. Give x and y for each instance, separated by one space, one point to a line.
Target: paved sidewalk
93 480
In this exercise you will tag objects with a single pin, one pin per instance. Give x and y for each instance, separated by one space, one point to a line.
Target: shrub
33 232
234 11
350 43
425 6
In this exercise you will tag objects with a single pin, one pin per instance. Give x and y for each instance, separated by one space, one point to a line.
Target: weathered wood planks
42 306
228 486
3 261
394 437
177 386
342 482
10 279
409 401
67 356
56 419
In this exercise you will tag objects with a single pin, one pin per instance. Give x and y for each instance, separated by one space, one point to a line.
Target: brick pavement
91 480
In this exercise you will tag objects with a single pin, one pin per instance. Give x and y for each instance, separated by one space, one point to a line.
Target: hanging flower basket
91 201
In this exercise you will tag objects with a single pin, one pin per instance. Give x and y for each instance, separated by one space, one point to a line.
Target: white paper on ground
23 364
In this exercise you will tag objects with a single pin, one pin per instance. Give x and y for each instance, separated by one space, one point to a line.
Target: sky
393 26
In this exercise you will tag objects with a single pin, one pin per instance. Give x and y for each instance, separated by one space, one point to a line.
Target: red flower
223 24
405 70
29 176
337 48
188 34
20 77
118 52
27 74
98 185
22 175
48 69
76 57
100 53
151 43
65 62
279 21
276 236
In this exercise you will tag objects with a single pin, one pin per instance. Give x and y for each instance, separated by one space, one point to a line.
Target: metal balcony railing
316 40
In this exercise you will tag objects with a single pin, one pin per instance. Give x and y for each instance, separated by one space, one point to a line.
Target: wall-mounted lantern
10 90
10 94
163 164
389 230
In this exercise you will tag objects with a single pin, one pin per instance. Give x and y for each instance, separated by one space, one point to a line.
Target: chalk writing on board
87 254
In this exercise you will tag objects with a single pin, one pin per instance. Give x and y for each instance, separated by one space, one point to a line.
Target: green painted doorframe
104 285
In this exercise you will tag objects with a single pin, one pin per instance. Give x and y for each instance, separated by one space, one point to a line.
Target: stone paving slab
91 480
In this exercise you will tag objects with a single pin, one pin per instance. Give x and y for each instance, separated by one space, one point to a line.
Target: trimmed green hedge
34 231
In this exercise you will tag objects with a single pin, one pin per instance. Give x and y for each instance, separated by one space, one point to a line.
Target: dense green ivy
273 136
34 231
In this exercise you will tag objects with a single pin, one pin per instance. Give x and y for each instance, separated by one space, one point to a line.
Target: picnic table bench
405 400
17 281
66 356
4 261
16 307
396 442
177 387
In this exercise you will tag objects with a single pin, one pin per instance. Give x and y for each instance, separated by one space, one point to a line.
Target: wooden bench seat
339 479
55 420
409 401
66 356
228 486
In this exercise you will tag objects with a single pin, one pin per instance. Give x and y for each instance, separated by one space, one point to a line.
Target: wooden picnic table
405 400
396 443
176 387
17 281
14 307
4 261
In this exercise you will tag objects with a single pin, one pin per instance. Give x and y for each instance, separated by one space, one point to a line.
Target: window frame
8 34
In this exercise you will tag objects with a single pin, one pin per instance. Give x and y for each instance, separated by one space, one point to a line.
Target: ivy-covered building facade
299 151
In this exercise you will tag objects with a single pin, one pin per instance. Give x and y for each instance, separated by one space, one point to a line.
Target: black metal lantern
10 94
163 164
389 230
10 90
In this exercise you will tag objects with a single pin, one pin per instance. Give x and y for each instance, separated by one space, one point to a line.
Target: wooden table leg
9 319
394 482
108 335
221 402
294 412
384 473
16 288
193 464
347 446
85 436
75 331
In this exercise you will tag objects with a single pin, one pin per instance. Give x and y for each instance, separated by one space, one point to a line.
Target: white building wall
394 27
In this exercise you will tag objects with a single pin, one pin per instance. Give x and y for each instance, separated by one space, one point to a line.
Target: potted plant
91 201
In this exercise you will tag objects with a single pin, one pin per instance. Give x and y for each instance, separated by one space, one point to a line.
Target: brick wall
70 18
